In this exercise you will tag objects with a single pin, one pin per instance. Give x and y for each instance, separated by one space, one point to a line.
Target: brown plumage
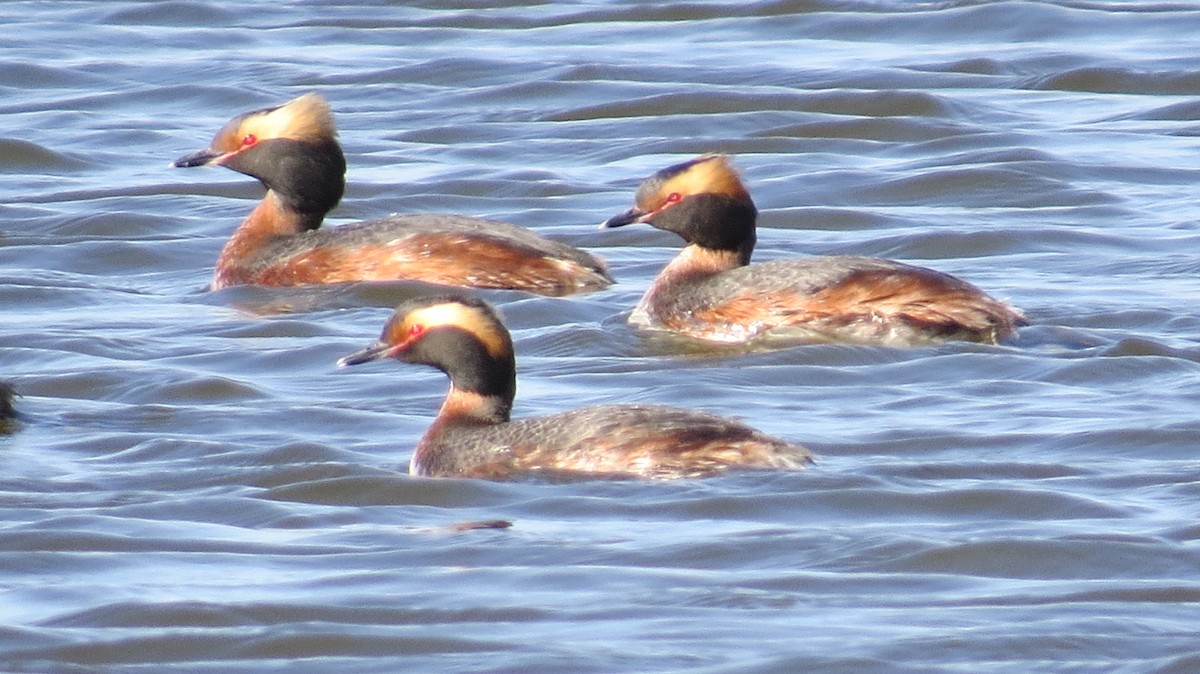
711 291
293 150
473 436
7 393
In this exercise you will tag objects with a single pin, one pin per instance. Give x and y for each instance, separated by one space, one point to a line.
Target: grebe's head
305 118
459 335
291 148
702 200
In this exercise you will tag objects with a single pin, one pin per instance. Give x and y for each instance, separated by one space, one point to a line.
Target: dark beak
377 351
627 218
201 158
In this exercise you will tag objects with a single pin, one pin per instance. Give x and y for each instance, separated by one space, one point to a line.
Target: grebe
710 291
293 150
7 393
472 435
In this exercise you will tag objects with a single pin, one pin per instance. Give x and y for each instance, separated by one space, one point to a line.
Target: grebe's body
473 436
293 151
710 291
7 393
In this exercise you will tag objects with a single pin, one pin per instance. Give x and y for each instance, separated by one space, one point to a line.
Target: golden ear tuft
306 117
479 320
709 174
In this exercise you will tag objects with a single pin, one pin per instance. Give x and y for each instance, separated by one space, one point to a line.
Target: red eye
249 139
403 335
673 198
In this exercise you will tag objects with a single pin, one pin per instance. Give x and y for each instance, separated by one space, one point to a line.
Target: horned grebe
710 291
472 435
293 150
7 393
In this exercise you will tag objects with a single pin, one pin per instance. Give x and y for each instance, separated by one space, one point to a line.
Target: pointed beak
202 158
377 351
627 218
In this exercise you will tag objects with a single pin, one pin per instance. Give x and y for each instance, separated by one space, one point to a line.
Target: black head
292 149
702 200
460 336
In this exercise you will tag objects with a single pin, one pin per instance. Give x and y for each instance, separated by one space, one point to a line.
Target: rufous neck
695 262
460 409
271 218
461 406
692 265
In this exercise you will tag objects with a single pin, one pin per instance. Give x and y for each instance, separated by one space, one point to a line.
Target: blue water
193 486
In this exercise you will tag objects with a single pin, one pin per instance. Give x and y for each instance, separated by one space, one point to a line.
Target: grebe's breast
620 440
447 249
839 298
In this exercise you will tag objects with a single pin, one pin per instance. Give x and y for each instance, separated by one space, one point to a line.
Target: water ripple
192 485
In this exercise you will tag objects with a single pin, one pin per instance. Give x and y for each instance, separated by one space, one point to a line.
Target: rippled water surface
192 485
